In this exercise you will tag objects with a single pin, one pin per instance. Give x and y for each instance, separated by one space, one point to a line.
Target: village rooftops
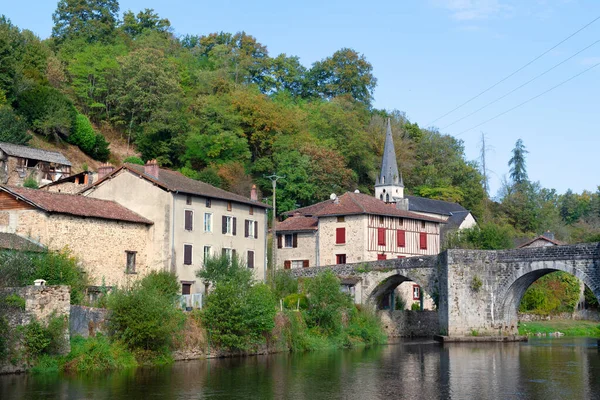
76 205
356 204
174 181
298 223
543 238
431 206
16 150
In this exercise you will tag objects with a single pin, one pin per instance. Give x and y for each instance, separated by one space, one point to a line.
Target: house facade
192 220
18 163
110 240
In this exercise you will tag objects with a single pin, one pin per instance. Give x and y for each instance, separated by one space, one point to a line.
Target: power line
518 70
523 85
530 99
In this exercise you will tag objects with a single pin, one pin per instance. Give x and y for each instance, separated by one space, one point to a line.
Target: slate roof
389 167
541 237
298 223
12 241
77 205
174 181
16 150
421 204
355 204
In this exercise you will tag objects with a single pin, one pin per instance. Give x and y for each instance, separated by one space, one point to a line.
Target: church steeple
389 186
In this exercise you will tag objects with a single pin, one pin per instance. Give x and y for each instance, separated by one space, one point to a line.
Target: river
560 368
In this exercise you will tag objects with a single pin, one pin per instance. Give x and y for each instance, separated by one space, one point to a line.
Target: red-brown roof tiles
298 223
81 206
358 203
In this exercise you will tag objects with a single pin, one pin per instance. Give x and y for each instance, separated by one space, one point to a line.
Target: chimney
253 193
105 169
151 168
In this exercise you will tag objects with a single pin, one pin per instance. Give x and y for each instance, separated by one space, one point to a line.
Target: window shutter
304 263
188 220
250 259
287 264
401 238
255 229
246 223
187 254
295 240
340 235
423 240
234 229
381 236
279 241
224 221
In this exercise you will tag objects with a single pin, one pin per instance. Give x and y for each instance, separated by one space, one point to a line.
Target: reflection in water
545 369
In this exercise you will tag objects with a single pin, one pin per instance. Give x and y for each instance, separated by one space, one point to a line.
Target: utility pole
273 178
484 170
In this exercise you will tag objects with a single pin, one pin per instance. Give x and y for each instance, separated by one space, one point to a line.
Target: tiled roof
70 178
176 182
298 223
34 154
12 241
71 204
422 204
358 203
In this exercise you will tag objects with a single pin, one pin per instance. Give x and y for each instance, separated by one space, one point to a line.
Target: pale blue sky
430 56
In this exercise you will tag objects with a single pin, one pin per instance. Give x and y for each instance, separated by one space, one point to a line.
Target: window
250 259
250 228
251 211
130 267
188 200
207 253
340 235
287 264
208 222
291 240
423 240
305 264
341 219
208 203
189 220
186 288
230 253
381 219
401 221
381 236
401 238
423 224
229 225
229 206
381 256
187 254
340 259
416 292
297 263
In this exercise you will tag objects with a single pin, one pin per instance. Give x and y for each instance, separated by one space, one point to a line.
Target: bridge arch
380 283
510 294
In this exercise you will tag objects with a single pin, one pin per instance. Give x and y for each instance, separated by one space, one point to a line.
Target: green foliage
590 299
13 300
518 171
221 269
326 303
57 268
38 340
97 354
145 21
366 326
134 160
416 306
145 316
400 304
89 20
553 293
485 236
90 142
5 338
13 129
568 327
283 284
295 301
30 182
476 283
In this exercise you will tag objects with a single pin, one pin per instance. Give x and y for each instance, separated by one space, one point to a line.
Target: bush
326 303
220 269
85 137
145 316
13 129
13 300
133 160
296 300
97 354
39 340
415 306
553 293
366 326
30 183
163 282
284 284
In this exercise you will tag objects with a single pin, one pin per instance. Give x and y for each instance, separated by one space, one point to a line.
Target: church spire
389 185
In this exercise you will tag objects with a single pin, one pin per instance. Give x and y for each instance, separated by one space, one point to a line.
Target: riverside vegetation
146 325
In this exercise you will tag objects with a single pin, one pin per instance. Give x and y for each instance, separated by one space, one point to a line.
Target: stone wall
410 323
306 250
581 315
356 239
88 321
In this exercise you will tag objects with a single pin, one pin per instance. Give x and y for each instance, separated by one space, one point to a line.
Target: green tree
89 20
345 73
326 303
144 21
11 52
13 129
518 170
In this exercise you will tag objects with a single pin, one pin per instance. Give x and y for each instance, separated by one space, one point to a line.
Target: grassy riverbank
568 327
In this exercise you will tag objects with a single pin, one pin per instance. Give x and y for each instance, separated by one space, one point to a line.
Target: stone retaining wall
582 315
403 323
87 321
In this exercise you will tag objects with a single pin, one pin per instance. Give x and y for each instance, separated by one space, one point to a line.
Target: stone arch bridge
475 289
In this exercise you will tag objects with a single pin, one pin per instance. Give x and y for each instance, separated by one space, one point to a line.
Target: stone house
72 184
18 163
192 220
547 239
111 241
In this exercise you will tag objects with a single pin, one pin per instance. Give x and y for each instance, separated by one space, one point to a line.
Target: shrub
220 268
284 284
13 129
35 339
553 293
163 282
97 354
13 300
400 303
145 316
326 303
416 306
476 284
590 299
296 300
85 137
366 326
30 183
134 160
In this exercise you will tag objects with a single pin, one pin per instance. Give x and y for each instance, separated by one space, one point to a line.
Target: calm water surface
540 369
